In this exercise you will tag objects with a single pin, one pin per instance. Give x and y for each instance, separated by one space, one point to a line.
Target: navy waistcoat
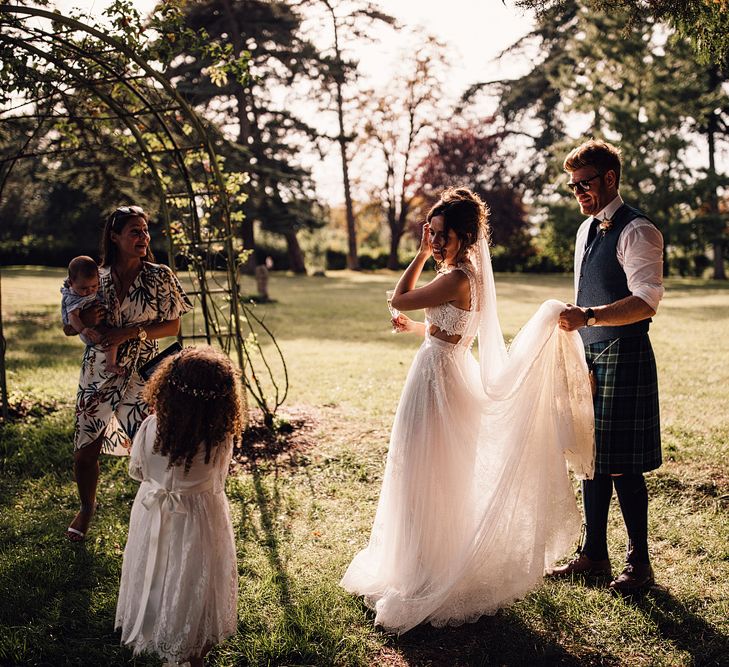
603 281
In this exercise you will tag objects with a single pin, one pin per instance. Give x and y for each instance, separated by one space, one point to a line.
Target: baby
81 289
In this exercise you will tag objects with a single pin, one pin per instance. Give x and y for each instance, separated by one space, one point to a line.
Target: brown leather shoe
635 578
582 566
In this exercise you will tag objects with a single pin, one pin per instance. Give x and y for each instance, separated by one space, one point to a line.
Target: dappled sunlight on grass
300 516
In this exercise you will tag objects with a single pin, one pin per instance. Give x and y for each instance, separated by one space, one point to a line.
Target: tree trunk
712 128
397 229
296 257
249 266
244 132
719 272
262 282
393 260
352 258
3 378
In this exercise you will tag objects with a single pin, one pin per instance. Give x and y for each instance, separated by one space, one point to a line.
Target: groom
618 281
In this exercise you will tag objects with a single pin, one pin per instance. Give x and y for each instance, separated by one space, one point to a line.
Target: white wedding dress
179 582
476 500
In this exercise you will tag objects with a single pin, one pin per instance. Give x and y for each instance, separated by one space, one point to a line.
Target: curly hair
594 153
197 396
465 213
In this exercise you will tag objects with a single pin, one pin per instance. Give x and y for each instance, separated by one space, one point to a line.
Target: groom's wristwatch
590 317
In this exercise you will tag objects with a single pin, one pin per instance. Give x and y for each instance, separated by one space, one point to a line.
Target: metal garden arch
173 145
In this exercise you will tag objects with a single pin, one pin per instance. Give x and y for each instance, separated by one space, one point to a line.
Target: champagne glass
394 312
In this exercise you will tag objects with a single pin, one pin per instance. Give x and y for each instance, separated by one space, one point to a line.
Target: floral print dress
109 403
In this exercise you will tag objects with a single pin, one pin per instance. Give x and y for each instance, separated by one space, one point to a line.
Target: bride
476 501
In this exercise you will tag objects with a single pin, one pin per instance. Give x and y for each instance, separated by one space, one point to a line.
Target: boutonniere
605 226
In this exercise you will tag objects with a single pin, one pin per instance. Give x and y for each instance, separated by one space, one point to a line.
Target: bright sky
476 31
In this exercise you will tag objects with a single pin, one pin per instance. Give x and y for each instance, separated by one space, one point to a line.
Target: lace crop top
450 319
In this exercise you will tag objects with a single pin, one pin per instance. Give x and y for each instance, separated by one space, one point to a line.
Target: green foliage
635 82
629 87
130 120
53 214
704 23
556 240
472 155
279 193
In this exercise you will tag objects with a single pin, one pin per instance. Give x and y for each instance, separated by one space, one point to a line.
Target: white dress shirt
639 253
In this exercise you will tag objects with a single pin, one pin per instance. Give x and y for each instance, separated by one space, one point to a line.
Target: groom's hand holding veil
572 318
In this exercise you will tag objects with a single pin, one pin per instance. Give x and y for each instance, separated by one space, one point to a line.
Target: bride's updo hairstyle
466 214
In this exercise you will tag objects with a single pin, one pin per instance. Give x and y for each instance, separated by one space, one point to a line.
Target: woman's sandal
76 535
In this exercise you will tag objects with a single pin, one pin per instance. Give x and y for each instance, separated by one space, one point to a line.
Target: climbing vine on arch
71 87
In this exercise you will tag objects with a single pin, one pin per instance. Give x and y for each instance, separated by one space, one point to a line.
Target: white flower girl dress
178 589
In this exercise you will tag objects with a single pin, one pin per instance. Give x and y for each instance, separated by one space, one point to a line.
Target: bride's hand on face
426 249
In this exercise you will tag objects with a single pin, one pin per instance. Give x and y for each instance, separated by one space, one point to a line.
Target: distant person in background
618 283
80 290
144 303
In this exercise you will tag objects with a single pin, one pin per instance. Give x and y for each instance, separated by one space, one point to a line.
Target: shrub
336 260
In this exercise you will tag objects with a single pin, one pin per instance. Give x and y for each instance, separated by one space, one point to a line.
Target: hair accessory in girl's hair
181 385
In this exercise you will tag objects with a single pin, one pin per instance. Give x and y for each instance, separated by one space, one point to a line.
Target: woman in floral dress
145 302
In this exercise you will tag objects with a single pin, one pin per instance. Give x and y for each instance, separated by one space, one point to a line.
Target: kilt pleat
627 419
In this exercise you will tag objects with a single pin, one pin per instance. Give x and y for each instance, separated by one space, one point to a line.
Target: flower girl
178 589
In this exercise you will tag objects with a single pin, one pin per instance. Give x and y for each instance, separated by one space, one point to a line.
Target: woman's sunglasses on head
126 212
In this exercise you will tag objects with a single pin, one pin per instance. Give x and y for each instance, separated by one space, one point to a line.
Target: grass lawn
301 517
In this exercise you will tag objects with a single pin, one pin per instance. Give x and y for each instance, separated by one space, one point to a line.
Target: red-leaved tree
472 155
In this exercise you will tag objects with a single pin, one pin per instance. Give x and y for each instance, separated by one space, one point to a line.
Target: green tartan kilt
627 422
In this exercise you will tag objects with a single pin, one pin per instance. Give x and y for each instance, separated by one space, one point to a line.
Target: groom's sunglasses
583 185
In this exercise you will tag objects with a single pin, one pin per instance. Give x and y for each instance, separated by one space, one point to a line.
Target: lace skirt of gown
475 501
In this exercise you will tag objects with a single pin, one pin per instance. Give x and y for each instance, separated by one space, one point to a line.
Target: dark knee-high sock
633 497
596 495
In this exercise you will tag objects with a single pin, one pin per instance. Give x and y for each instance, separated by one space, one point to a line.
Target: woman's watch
590 318
141 334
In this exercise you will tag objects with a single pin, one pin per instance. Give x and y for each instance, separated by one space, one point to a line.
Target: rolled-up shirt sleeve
640 253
